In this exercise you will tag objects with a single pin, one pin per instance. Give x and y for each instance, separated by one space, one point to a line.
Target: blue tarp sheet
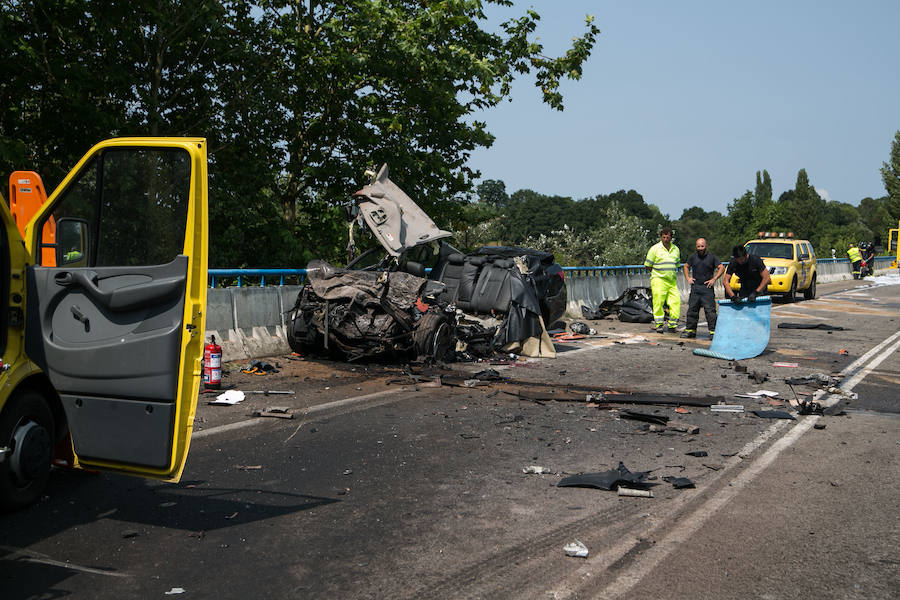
742 329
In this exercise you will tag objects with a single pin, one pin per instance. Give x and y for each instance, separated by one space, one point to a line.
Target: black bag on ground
634 305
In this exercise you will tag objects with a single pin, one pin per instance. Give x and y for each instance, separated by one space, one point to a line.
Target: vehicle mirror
72 242
804 256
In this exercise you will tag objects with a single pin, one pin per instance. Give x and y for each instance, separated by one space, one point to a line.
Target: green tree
806 207
890 175
493 192
296 99
763 193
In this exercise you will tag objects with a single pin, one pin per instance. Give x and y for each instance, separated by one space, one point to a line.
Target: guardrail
248 314
240 274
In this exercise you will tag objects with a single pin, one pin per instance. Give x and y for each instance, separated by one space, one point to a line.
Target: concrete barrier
591 286
250 322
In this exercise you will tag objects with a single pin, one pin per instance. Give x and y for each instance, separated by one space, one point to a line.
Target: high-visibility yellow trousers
665 292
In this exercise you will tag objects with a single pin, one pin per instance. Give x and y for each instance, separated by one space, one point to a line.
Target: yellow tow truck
102 338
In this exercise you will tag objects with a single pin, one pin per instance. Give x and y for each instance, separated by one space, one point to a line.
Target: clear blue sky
684 101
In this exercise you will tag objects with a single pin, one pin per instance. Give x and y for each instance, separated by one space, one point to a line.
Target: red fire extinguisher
212 364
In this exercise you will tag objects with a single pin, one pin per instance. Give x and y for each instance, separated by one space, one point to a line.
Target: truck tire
791 295
27 429
810 292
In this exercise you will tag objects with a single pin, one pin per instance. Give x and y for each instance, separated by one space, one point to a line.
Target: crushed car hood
396 221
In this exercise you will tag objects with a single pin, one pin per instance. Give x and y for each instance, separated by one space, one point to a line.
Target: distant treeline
617 228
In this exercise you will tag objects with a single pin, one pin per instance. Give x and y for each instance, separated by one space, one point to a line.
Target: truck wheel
26 430
810 292
791 296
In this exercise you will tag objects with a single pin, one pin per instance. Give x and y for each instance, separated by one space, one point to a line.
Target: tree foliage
296 99
890 175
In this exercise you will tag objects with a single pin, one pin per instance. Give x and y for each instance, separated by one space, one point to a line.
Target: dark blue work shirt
703 267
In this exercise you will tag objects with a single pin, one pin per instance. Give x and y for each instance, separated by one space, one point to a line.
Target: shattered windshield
771 250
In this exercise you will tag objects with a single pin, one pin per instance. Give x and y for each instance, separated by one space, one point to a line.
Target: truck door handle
130 297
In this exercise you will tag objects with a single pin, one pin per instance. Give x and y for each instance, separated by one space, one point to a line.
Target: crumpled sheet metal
364 287
742 330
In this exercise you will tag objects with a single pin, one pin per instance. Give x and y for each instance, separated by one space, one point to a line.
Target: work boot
687 333
712 333
658 328
673 329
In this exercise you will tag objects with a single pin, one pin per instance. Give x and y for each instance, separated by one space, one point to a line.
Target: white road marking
310 410
34 557
651 557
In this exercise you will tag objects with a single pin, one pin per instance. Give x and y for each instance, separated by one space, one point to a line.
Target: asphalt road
384 487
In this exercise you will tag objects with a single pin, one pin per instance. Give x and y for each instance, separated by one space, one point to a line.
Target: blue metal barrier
240 274
300 274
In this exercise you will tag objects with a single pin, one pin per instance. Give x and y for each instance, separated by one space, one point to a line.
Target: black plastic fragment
774 414
697 453
823 326
678 482
488 375
647 418
606 480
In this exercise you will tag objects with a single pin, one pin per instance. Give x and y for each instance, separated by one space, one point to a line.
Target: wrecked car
417 296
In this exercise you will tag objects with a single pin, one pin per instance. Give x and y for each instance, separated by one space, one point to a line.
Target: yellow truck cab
103 335
791 263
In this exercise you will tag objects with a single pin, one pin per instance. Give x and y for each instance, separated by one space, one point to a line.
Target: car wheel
432 337
810 292
27 430
791 296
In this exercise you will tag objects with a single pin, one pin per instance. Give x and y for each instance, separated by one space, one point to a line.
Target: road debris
823 326
735 408
258 367
229 398
635 493
786 364
277 412
271 392
773 414
757 394
742 330
646 418
576 549
605 480
697 453
536 470
678 482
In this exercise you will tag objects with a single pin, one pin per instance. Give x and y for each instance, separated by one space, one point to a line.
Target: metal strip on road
689 525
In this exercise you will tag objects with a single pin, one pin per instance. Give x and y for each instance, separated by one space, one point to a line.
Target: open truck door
116 319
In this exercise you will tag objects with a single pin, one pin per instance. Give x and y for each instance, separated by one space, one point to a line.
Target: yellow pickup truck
791 263
102 338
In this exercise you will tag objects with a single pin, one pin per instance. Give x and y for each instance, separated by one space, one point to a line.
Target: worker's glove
751 296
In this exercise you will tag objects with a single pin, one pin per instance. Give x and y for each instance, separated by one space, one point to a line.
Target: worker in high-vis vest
855 258
662 260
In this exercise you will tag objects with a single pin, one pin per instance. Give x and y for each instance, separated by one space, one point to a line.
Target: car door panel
118 329
88 346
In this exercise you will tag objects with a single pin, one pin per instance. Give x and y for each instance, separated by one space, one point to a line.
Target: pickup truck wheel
26 434
791 296
810 292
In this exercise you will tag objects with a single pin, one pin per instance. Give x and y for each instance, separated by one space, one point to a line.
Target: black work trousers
705 297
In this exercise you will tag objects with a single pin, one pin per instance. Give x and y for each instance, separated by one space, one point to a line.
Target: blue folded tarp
742 329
